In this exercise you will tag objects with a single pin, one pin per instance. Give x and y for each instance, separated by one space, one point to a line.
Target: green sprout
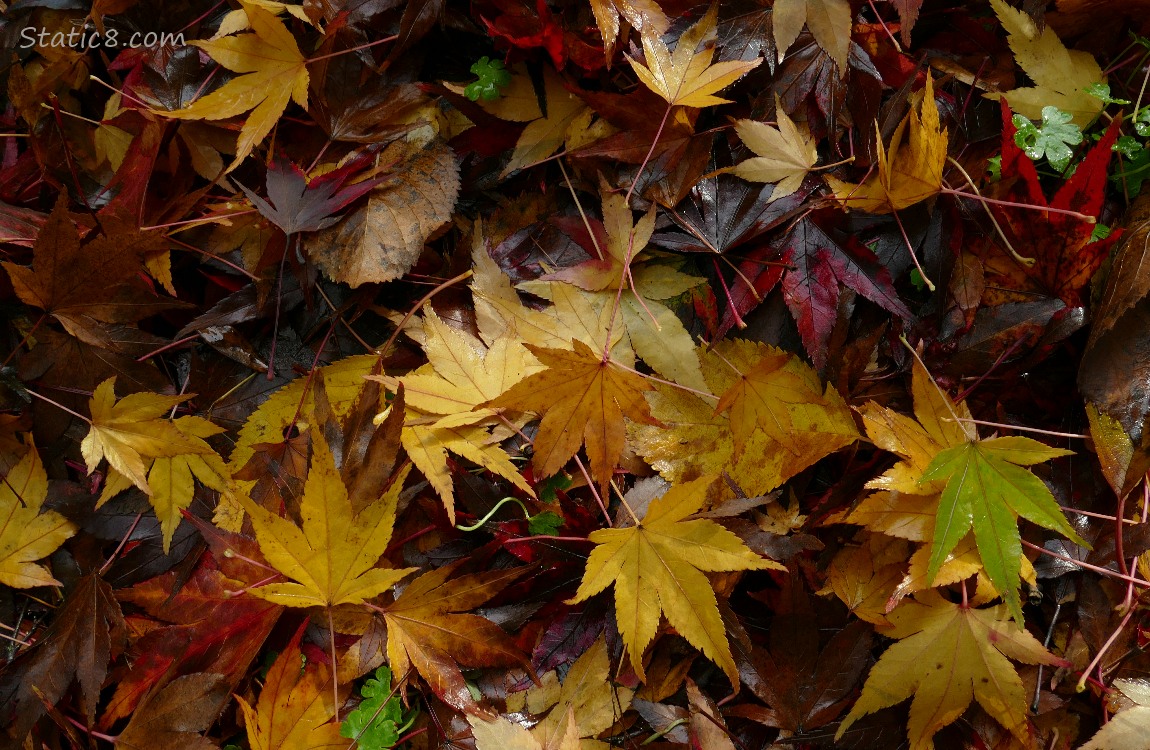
493 78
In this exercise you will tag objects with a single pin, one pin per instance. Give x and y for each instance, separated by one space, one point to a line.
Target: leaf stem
115 553
1013 204
478 524
1028 262
1018 427
658 134
215 257
24 340
1087 566
1081 685
58 405
910 249
349 50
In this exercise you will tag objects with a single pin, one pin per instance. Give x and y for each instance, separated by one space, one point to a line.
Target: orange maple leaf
583 398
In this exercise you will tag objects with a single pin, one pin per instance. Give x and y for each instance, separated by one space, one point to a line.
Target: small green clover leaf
376 724
1102 91
1142 122
1053 140
493 77
1128 146
994 168
544 524
1133 172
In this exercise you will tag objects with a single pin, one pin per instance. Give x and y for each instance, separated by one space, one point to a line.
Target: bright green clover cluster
493 78
377 722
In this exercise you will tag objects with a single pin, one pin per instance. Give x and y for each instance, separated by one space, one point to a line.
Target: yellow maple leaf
172 479
586 704
343 380
656 334
645 16
904 173
785 153
947 656
273 70
687 77
26 534
828 20
1061 76
765 396
462 372
583 398
588 694
132 430
442 397
657 567
295 707
332 559
695 439
544 135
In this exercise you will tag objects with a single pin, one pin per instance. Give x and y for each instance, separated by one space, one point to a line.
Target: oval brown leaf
382 241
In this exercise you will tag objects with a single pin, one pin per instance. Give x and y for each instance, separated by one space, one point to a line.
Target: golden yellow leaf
655 332
586 704
687 76
645 16
764 397
171 479
343 380
904 173
864 577
1060 75
26 534
273 70
442 396
544 135
657 568
828 20
572 314
462 372
583 399
428 445
786 153
128 432
295 710
947 656
696 440
589 696
332 559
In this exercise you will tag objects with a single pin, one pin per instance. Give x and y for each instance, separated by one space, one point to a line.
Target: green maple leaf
987 488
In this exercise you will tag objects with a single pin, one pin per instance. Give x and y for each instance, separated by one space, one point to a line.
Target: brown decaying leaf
173 717
429 632
382 240
87 632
